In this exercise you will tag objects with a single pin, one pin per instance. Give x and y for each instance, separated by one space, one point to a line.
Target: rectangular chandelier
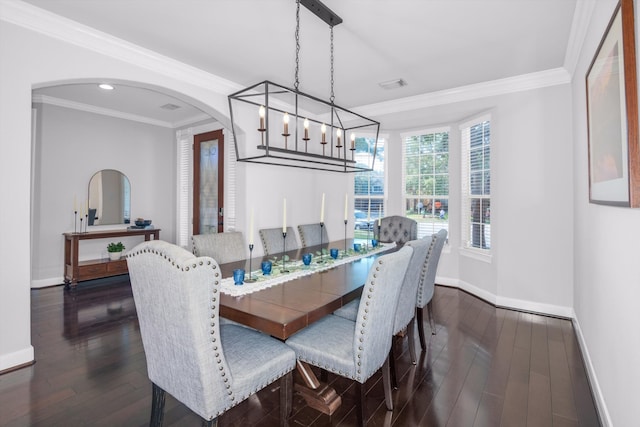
276 125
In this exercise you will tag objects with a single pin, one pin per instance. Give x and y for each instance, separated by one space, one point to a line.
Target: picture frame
612 114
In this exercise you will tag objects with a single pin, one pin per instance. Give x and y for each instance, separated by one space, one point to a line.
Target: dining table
301 296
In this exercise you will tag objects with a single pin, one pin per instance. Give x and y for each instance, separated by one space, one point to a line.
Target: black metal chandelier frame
274 100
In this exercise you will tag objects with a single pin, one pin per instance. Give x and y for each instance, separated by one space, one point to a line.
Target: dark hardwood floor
486 366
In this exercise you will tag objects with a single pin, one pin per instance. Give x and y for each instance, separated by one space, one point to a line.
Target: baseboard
603 412
45 283
511 303
16 359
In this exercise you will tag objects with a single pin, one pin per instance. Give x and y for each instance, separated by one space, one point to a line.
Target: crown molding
579 28
556 76
55 26
65 103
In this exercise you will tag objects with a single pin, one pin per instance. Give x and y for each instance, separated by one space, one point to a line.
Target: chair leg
324 375
432 322
387 385
286 398
157 406
420 321
360 402
412 339
210 423
392 367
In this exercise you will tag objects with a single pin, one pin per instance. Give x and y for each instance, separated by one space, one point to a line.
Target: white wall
606 246
71 146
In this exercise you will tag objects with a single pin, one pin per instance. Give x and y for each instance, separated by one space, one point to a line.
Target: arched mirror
109 198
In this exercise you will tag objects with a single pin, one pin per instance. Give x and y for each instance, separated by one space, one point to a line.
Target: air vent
170 107
393 84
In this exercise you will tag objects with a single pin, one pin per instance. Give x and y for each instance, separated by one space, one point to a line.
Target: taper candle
75 203
261 113
251 228
323 131
284 216
346 201
339 135
306 128
353 140
369 212
379 215
285 120
322 209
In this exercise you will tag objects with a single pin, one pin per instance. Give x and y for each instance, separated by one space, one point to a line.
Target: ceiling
433 45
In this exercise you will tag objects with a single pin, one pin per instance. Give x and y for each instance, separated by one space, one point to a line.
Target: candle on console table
251 228
322 209
369 212
75 203
346 199
284 215
379 215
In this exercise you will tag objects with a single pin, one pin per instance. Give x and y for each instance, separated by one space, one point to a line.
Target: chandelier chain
333 97
297 82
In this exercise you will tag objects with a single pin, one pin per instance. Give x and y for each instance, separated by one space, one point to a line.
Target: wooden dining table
289 307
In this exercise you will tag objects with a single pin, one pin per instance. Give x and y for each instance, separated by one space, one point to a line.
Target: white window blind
476 183
184 158
425 179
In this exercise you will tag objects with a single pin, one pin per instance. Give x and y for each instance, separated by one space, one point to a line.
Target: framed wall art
612 114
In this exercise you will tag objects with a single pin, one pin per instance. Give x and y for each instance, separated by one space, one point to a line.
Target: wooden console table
76 271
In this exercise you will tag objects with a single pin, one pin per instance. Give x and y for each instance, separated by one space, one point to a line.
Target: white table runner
296 269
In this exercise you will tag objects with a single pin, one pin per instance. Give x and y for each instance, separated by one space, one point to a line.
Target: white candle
323 130
285 120
75 204
369 212
261 113
251 228
322 209
380 215
346 201
284 216
353 140
339 135
306 128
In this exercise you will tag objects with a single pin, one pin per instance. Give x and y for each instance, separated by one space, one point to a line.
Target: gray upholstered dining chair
207 366
272 241
310 234
223 247
356 350
405 313
426 287
399 229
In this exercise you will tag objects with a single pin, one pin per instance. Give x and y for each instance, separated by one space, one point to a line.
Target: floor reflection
95 307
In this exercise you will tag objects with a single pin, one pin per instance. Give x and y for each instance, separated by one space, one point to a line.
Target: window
426 179
368 187
476 183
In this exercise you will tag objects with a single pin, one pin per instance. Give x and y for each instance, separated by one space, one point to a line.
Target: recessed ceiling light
105 86
170 107
393 84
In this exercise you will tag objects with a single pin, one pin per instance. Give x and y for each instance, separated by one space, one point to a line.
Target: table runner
296 269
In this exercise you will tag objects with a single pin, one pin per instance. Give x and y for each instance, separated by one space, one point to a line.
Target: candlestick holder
250 279
86 222
366 245
75 221
339 146
324 143
80 224
378 231
284 250
353 150
306 140
321 260
345 239
262 130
